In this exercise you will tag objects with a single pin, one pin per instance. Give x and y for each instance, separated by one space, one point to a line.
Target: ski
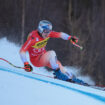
98 87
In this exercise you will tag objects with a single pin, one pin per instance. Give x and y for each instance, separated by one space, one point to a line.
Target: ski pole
23 68
42 75
75 43
11 64
81 48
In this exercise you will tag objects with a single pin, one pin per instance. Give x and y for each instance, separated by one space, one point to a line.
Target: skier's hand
73 39
27 67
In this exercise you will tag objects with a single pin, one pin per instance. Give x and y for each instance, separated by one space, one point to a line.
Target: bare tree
23 21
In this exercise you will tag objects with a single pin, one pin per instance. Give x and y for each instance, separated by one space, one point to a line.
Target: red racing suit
36 44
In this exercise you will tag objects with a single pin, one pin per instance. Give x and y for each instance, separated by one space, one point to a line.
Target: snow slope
18 87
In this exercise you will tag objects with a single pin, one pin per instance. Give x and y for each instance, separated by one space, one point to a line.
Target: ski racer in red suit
39 57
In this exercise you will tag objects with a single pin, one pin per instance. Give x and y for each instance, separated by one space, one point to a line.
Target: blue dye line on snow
92 95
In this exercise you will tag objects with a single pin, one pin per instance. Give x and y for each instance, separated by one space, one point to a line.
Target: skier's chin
45 36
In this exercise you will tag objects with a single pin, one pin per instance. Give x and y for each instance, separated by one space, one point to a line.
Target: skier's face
46 33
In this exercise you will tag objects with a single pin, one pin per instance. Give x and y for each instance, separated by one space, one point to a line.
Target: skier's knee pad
52 54
53 60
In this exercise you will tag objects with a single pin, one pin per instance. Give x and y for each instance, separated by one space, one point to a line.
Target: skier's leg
45 59
49 59
59 71
61 66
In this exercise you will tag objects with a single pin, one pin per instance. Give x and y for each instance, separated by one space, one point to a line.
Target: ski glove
27 67
73 39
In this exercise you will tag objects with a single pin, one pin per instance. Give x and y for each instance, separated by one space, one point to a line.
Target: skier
39 57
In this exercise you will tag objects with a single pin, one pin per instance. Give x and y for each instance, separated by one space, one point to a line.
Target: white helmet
44 26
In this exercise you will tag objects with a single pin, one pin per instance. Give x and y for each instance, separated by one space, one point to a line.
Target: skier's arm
25 48
60 35
64 36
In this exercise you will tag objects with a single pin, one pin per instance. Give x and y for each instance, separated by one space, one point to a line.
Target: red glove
73 39
27 67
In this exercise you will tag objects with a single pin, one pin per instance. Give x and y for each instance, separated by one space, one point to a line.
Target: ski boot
59 75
